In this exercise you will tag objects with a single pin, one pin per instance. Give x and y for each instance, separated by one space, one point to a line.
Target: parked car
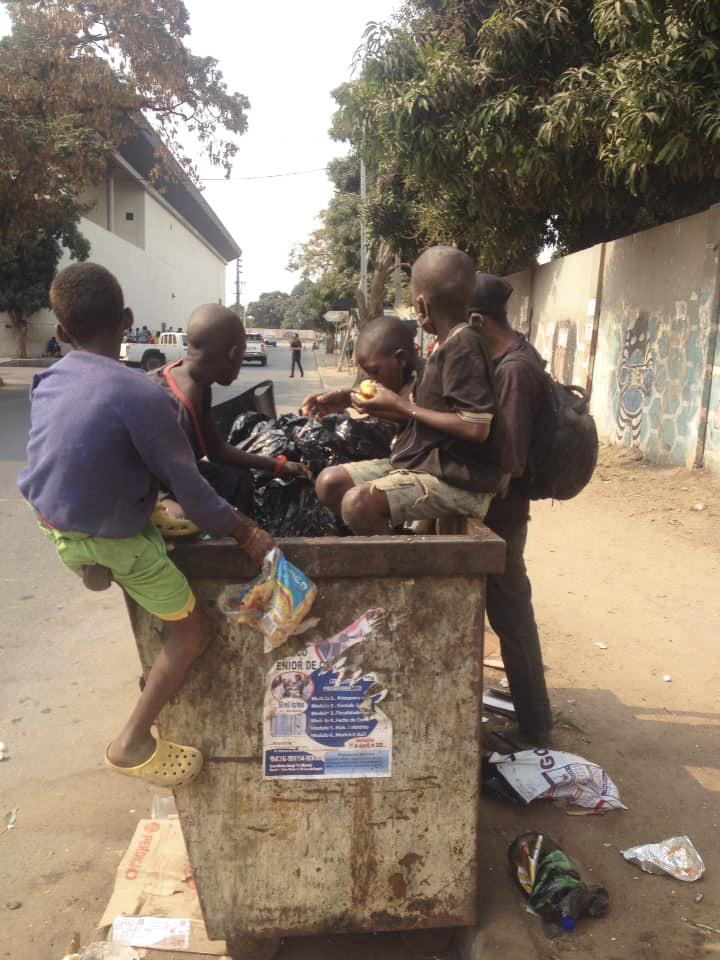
270 340
255 349
150 356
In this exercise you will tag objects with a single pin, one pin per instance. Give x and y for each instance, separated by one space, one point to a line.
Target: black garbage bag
244 425
290 508
289 420
317 446
365 439
270 442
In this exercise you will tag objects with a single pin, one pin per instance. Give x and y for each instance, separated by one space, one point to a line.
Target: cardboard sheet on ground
154 880
322 721
552 775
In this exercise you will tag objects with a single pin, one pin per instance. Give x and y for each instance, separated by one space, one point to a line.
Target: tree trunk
373 307
20 327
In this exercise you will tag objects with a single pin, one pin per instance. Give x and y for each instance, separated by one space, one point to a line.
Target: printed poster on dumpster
322 719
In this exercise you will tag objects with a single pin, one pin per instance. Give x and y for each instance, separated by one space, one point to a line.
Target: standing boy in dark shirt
446 460
518 374
102 439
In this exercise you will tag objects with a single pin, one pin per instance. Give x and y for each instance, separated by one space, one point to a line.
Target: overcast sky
286 56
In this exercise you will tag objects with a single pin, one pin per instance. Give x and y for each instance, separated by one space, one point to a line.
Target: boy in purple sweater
103 439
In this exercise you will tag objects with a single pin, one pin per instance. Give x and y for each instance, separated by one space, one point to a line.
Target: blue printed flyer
323 721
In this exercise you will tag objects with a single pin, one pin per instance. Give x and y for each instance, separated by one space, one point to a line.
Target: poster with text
323 720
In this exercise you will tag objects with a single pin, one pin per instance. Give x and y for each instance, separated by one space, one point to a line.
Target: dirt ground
630 564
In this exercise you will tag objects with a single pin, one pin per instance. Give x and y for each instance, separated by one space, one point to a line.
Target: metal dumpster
281 857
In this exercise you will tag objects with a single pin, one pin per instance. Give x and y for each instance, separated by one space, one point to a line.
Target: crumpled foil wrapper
676 856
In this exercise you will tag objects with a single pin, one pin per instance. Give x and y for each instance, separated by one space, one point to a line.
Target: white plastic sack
552 775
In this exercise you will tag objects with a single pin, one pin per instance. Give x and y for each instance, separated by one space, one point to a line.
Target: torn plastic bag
553 775
276 603
244 425
366 438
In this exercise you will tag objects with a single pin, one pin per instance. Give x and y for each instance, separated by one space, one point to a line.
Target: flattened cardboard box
155 879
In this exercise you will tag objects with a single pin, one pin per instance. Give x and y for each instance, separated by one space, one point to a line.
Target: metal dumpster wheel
242 947
428 944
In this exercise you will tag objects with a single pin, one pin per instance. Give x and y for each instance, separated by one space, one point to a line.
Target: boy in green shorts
103 439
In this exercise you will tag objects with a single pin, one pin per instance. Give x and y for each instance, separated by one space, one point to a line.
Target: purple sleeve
165 450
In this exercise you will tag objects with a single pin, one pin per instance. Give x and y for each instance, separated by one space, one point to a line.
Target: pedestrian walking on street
296 350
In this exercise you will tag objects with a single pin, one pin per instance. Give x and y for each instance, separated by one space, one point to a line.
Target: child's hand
384 402
292 469
254 541
322 404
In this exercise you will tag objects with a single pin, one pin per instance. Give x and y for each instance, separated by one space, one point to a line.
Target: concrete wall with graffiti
635 320
518 308
653 339
712 441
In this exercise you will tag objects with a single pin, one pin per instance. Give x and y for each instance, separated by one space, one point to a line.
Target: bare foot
130 755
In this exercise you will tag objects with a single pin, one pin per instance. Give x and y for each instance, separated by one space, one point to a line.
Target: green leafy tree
25 282
75 79
268 310
330 258
510 125
304 311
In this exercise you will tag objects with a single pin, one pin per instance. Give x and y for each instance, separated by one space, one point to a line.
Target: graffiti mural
636 377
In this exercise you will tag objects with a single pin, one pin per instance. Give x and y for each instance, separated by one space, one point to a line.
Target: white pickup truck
150 356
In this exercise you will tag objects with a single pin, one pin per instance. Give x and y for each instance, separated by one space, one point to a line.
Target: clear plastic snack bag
276 603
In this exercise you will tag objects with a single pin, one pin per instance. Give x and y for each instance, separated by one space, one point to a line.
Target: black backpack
564 450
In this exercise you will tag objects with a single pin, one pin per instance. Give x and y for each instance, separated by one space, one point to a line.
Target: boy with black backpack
519 375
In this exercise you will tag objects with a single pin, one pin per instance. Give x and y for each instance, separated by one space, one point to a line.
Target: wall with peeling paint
635 320
563 308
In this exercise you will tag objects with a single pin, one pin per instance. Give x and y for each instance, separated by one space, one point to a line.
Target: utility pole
363 232
237 279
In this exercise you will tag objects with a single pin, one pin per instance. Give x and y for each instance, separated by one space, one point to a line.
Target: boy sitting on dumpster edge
102 439
448 456
386 352
216 348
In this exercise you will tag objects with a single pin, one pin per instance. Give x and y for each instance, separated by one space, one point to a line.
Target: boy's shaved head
384 336
445 278
215 328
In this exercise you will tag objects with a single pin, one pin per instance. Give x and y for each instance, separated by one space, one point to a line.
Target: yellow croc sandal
171 527
171 765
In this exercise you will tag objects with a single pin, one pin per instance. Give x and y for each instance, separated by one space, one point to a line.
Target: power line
265 176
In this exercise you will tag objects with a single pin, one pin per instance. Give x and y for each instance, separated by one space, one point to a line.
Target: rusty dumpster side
290 857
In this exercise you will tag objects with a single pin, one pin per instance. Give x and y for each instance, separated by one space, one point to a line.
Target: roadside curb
319 372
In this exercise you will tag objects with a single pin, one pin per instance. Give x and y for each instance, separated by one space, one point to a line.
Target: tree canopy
268 310
504 126
75 78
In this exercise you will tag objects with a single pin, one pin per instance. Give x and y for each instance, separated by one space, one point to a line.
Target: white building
169 250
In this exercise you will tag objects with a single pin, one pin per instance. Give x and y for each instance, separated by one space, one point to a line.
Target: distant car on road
150 356
270 340
255 349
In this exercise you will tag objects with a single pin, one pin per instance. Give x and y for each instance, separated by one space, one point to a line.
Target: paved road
289 393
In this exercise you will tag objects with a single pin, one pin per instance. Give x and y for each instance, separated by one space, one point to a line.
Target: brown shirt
456 379
518 378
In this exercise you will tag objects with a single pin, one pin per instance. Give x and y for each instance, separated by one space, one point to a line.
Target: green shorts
140 564
417 496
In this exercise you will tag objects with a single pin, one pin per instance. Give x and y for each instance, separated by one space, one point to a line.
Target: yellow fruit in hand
368 389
